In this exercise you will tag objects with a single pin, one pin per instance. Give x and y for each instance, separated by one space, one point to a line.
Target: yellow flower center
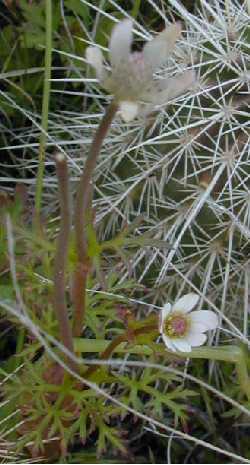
176 325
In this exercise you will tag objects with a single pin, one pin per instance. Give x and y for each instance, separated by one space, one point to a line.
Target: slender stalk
82 217
125 337
60 304
45 112
105 355
136 9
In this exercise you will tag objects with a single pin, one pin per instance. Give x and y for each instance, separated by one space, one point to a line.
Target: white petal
181 83
196 339
186 303
157 50
206 318
196 327
181 344
95 58
120 42
163 314
128 110
168 342
170 88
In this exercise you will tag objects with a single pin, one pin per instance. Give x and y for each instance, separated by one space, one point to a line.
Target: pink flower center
176 325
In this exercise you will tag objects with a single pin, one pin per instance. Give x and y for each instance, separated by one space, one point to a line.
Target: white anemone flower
131 79
181 329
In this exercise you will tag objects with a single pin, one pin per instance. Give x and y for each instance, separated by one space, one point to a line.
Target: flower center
176 325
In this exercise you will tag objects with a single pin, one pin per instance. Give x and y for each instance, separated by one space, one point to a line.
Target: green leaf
7 292
99 345
79 8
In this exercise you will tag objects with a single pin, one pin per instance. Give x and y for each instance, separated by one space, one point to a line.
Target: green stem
45 111
136 9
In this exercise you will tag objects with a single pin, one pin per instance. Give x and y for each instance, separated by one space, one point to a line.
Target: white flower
131 79
182 330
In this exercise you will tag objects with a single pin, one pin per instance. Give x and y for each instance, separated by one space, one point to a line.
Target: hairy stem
62 253
82 217
45 112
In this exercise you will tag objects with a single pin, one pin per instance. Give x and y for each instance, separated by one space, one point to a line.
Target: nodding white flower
131 79
182 329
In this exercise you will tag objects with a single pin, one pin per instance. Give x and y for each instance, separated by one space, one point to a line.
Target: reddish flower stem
83 216
125 337
61 255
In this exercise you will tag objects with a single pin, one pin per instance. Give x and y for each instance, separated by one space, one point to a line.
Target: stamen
176 325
